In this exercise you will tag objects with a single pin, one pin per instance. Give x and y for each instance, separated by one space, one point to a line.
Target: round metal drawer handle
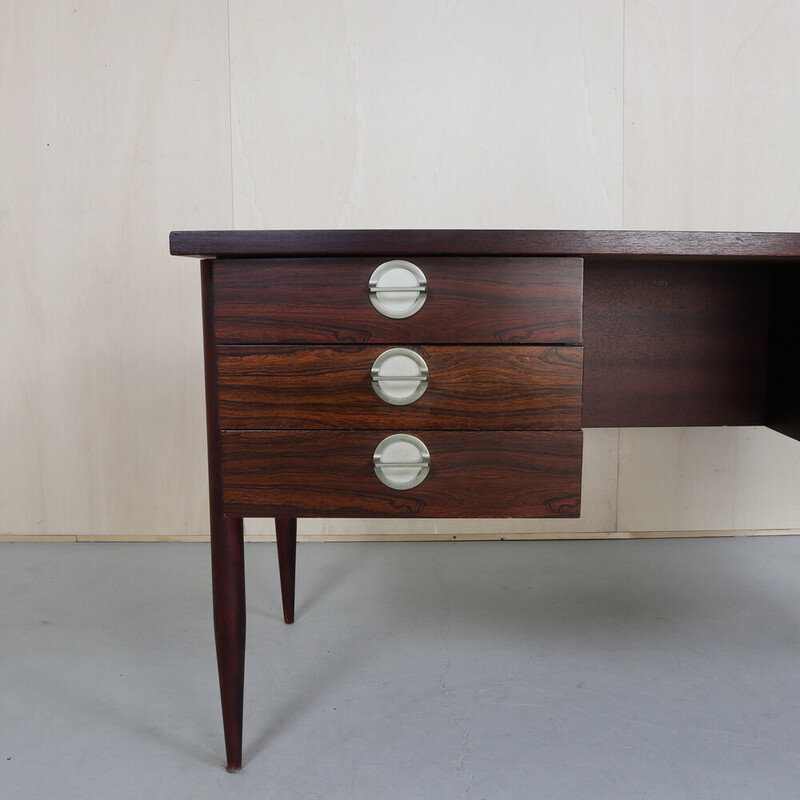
398 289
401 461
399 376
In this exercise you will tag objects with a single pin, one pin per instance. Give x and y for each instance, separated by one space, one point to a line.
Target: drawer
525 387
466 300
470 474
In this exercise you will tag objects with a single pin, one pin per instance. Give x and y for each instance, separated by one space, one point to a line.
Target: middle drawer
520 387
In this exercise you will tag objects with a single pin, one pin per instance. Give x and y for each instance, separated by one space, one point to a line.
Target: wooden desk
449 373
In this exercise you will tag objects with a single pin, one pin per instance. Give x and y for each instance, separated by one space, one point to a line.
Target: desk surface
640 244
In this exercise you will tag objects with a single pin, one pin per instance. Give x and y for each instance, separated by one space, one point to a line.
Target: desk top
617 243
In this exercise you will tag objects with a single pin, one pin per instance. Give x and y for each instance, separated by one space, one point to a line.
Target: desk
449 373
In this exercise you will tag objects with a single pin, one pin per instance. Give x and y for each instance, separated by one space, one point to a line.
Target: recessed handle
401 461
398 289
399 376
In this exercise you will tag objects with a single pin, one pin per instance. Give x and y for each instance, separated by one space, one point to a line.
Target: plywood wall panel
712 109
673 479
115 131
426 114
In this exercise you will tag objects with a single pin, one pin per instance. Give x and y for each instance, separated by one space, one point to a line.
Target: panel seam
230 117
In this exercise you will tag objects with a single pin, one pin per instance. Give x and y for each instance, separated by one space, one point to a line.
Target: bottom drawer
469 474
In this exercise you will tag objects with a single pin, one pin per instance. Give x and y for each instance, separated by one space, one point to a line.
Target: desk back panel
675 342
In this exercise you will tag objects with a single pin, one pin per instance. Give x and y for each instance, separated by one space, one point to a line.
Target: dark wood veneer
488 300
674 343
227 555
480 387
472 474
622 244
286 538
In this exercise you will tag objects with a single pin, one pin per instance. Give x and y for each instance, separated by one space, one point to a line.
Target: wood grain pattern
478 387
621 244
470 300
674 343
472 474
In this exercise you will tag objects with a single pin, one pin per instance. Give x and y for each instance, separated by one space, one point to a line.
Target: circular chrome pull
398 289
399 376
401 461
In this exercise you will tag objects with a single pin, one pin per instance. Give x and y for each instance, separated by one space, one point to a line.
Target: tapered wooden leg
227 575
286 536
227 552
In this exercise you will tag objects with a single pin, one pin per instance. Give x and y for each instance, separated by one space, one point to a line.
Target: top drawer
466 299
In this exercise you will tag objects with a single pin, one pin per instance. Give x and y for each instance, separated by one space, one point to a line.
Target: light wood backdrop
120 121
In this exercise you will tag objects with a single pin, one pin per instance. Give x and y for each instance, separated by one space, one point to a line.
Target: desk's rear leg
286 536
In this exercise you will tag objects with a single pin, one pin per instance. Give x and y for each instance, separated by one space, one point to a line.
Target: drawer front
470 474
480 387
467 300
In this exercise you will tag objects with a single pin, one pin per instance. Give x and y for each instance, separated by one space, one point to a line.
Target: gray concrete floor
614 669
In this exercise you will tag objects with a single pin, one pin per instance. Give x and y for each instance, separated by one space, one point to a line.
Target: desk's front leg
227 571
227 553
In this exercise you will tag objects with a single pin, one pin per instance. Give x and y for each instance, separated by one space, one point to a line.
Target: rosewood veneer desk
449 373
